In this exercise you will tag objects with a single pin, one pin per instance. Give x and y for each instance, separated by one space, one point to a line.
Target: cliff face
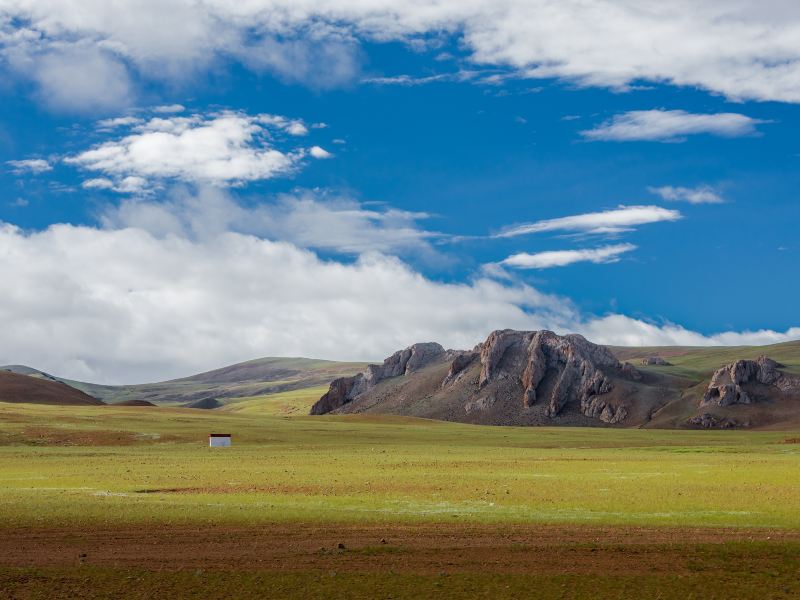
551 370
402 362
575 364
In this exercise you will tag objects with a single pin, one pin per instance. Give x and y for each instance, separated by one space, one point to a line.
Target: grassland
646 501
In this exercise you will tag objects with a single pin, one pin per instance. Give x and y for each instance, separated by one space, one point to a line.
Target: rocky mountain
513 378
540 378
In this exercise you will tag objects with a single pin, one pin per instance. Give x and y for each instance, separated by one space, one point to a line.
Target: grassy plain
645 500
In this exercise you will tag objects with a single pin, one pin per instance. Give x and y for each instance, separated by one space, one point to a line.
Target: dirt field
412 561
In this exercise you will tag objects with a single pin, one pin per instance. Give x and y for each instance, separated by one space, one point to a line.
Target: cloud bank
55 44
125 305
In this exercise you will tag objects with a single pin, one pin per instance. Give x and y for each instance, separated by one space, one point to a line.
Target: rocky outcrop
709 421
551 370
576 367
656 361
458 367
339 393
479 404
402 362
598 408
726 383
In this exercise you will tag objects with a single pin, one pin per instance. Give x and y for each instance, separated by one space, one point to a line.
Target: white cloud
305 219
124 305
169 108
620 330
318 152
670 126
324 58
30 165
98 183
290 126
562 258
227 148
610 43
80 78
622 218
118 122
703 194
413 81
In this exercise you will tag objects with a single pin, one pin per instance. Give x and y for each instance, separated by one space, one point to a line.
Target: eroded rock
458 367
402 362
575 364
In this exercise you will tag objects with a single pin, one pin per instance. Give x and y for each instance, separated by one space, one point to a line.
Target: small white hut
219 440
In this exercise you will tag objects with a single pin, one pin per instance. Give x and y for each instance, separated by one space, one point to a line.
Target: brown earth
398 561
377 548
33 390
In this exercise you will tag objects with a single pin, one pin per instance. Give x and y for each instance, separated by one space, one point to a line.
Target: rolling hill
243 381
16 388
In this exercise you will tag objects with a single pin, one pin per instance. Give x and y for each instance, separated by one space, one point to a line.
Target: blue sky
392 177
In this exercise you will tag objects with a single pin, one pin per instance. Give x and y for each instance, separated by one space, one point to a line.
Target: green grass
152 465
699 363
295 402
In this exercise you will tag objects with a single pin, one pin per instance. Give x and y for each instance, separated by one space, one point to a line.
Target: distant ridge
214 388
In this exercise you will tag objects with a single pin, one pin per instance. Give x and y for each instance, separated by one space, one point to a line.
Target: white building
219 440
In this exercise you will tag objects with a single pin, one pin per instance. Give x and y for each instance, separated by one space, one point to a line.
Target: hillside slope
18 388
259 377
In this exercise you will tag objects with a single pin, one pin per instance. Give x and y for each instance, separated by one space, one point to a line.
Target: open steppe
129 501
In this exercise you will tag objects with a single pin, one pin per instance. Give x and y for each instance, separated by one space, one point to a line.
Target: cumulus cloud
30 165
125 305
226 148
608 43
620 219
703 194
562 258
670 126
318 152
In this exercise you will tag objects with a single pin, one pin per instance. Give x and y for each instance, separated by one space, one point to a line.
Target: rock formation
654 361
575 364
551 369
709 421
402 362
726 383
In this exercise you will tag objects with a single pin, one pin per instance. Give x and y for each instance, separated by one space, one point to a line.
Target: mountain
214 388
540 378
15 387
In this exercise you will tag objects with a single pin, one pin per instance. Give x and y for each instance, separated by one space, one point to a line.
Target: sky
187 184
